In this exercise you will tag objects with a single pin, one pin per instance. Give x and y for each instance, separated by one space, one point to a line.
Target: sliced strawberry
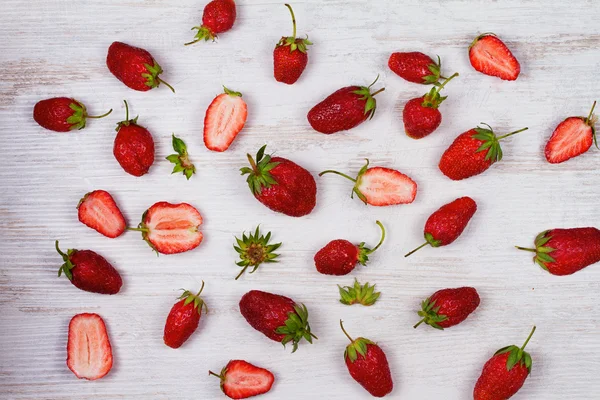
225 118
240 380
99 211
571 138
89 354
489 55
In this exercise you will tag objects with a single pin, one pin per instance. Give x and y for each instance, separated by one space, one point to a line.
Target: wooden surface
54 48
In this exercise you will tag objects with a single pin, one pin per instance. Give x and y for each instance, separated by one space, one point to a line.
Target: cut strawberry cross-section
89 354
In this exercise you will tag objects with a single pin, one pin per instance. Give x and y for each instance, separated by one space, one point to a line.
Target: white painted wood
58 47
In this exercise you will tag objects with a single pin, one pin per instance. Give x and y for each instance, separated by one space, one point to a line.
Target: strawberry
134 146
472 153
448 307
224 119
415 67
490 56
62 114
255 249
571 138
99 211
171 228
566 251
358 294
278 317
89 271
218 17
339 257
135 67
290 57
183 318
446 224
421 115
379 186
344 109
181 159
504 374
368 365
240 379
89 354
281 185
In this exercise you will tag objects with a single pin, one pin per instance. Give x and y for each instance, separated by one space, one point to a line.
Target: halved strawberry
490 56
99 211
379 186
240 380
89 354
571 138
225 118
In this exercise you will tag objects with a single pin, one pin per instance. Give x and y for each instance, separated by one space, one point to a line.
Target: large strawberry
218 17
448 307
134 146
135 67
472 153
571 138
290 56
489 55
89 271
566 251
278 317
254 249
183 319
380 186
89 354
344 109
415 67
99 211
240 379
224 119
62 114
280 184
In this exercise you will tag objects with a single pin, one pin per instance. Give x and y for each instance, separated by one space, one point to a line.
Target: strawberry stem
138 229
252 164
446 81
99 116
58 249
343 330
419 323
511 133
166 84
528 338
126 110
212 373
589 118
418 248
242 272
526 249
293 19
330 171
380 240
201 289
379 91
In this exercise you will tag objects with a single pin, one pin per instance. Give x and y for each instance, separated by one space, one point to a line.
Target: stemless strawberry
62 114
89 354
224 119
489 55
571 138
415 67
99 211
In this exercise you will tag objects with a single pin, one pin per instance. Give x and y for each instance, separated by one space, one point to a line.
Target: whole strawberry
218 17
415 67
368 365
566 251
489 55
134 146
446 224
344 109
89 271
339 257
184 318
571 138
62 114
448 307
290 56
135 67
99 211
421 115
280 184
504 374
240 379
278 317
472 153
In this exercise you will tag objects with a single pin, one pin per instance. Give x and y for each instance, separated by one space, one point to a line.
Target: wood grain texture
56 47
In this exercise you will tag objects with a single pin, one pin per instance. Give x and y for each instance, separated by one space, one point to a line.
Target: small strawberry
368 365
89 271
571 138
89 354
99 211
224 119
290 57
184 318
379 186
504 374
472 153
278 317
415 67
446 224
490 56
255 249
344 109
448 307
339 257
171 228
62 114
240 380
218 17
566 251
135 67
358 294
280 184
421 115
181 159
134 146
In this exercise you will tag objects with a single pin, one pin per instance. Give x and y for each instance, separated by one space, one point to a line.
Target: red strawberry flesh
89 354
489 55
224 119
240 380
99 211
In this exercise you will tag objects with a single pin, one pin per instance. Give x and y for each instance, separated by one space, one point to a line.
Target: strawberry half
490 56
99 211
224 119
89 354
240 379
571 138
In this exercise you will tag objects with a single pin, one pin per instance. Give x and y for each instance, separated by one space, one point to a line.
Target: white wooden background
58 48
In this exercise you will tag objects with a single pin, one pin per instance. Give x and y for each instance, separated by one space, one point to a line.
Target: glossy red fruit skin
53 113
93 273
461 160
134 149
574 249
340 111
219 15
447 223
456 304
265 312
128 63
372 371
182 321
496 382
338 257
411 66
288 65
420 121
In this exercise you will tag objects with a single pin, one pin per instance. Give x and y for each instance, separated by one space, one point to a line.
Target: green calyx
295 44
356 348
429 240
181 159
433 99
435 69
365 93
222 376
231 92
152 76
357 181
78 118
480 37
363 251
542 252
255 249
491 142
517 355
143 228
68 265
204 33
296 327
430 314
126 121
259 175
358 294
591 122
190 297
